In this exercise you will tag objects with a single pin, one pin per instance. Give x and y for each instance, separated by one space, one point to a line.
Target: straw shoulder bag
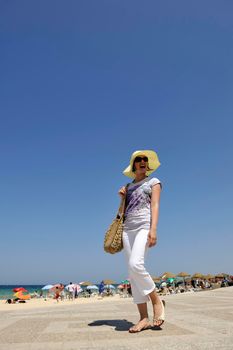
113 237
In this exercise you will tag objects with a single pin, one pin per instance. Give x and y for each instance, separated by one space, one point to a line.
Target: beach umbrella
86 283
125 282
47 287
121 286
220 275
168 275
110 286
225 274
22 296
197 275
19 289
156 279
109 281
183 274
209 276
92 287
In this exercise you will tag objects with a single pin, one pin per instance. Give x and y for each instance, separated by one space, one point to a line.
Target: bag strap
122 207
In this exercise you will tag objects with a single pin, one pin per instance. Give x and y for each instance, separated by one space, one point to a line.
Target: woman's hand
122 192
152 238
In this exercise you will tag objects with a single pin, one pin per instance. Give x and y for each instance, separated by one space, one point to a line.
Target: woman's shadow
120 325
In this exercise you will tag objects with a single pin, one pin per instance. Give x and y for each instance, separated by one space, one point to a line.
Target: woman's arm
155 198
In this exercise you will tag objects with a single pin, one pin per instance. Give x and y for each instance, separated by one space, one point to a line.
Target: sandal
137 329
160 318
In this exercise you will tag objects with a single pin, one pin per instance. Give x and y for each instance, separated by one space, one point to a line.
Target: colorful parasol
19 289
22 296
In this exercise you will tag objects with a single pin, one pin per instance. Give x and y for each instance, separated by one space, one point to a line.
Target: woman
140 232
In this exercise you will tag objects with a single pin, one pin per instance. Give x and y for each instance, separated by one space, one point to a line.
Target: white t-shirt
70 288
138 204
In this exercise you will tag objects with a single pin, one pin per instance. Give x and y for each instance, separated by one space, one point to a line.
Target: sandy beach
202 320
36 303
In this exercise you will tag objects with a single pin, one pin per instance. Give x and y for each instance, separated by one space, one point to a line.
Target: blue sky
83 85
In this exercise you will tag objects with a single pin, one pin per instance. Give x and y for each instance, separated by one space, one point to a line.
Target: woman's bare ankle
144 318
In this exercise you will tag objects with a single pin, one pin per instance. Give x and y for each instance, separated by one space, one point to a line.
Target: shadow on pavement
120 325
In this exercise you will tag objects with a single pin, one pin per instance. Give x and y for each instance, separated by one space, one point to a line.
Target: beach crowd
167 285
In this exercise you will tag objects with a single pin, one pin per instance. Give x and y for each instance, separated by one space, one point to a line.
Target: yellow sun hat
153 162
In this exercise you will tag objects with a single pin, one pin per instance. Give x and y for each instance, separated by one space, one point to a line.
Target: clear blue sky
84 84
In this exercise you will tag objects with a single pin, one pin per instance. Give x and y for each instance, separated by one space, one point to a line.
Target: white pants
135 246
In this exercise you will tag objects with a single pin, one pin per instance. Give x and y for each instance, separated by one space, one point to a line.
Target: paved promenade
202 320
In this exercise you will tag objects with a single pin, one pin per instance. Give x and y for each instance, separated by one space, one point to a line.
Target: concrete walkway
202 320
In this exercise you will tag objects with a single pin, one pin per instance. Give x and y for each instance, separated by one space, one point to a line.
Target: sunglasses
139 159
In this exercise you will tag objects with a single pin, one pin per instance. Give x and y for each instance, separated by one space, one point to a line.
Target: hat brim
153 162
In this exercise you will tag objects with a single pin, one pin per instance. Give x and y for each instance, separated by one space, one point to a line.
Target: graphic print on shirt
139 196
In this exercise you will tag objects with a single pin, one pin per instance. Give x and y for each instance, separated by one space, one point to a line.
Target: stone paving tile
199 321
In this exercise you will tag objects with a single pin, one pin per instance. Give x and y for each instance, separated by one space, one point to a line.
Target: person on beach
14 301
57 291
71 291
101 288
140 232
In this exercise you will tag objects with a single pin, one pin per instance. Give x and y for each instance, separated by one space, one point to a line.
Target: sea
6 291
